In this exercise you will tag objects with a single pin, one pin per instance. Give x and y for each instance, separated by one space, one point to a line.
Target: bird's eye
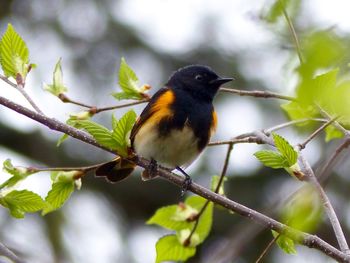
198 77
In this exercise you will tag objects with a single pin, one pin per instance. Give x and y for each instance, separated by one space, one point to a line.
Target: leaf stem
292 31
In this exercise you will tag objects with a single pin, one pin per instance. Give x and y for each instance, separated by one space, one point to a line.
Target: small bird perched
176 124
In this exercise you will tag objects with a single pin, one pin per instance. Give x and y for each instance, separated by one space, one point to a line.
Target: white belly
178 148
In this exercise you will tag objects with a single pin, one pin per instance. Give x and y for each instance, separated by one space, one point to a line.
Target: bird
175 126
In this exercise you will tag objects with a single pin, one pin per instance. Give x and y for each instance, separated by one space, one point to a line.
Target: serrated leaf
285 243
121 131
18 174
21 202
128 82
14 54
57 196
285 149
271 159
57 87
169 249
333 133
101 134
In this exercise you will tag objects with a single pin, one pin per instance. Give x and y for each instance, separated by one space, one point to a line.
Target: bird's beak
219 81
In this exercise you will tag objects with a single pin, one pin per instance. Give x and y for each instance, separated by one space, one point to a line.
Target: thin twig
267 248
308 240
20 88
292 31
221 180
315 133
64 98
94 109
257 94
249 139
331 161
6 252
340 127
121 105
64 169
292 123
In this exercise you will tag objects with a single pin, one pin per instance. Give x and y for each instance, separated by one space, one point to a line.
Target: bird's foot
187 182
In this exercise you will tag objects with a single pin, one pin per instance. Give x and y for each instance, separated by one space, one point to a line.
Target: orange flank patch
160 109
214 122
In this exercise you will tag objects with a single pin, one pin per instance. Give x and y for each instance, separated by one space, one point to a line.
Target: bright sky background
172 26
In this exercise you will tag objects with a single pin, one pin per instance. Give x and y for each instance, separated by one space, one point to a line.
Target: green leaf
297 111
169 249
72 121
285 149
304 210
333 133
121 131
271 159
206 219
178 217
57 87
101 134
58 195
21 202
317 54
167 217
214 183
285 243
14 54
62 139
18 174
276 10
128 82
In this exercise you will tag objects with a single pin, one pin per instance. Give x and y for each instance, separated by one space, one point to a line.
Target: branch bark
309 240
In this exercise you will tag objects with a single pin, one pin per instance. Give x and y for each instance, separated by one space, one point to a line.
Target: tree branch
309 240
339 234
257 94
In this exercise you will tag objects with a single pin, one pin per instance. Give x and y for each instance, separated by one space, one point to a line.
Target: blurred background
106 223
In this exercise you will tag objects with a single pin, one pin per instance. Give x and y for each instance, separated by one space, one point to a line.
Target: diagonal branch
309 240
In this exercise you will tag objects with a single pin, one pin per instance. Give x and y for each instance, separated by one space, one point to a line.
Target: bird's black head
200 81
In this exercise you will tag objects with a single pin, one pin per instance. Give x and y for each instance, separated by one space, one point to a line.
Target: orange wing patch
160 109
214 122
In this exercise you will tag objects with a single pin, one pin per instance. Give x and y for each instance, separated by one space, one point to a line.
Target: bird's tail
115 170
